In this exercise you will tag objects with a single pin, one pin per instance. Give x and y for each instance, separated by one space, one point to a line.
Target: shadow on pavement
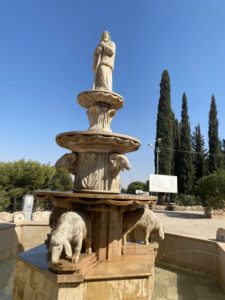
183 215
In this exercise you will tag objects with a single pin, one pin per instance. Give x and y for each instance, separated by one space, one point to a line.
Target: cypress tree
199 156
215 155
223 152
186 164
176 147
164 128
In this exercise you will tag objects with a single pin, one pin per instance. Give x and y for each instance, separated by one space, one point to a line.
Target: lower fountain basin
93 141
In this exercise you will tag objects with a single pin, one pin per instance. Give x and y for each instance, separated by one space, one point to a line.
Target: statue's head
105 37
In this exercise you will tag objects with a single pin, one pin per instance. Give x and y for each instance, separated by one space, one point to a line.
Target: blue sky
46 50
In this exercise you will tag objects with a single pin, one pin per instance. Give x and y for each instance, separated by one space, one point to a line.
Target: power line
178 150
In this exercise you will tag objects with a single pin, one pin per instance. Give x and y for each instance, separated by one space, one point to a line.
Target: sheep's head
118 162
56 246
68 161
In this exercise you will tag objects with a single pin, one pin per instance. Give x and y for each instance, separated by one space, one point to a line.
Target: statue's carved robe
103 66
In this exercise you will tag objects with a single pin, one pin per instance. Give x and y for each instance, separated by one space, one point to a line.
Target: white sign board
28 202
163 183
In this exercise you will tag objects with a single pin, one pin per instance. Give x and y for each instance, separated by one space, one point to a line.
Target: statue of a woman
104 57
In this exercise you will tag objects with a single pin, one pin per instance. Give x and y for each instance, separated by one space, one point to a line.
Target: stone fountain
113 270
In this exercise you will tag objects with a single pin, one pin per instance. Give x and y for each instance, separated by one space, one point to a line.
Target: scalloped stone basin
95 97
93 141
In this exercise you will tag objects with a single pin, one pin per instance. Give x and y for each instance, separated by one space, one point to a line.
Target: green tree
176 148
199 156
19 177
211 189
223 152
186 164
62 180
215 155
164 128
136 185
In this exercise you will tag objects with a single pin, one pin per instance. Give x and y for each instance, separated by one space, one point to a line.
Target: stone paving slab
191 223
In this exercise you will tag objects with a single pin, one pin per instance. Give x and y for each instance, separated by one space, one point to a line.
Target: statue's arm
97 55
110 49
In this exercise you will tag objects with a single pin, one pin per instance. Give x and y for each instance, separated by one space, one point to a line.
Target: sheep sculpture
71 229
142 218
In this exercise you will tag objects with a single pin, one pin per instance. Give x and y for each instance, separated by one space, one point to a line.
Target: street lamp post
157 155
157 160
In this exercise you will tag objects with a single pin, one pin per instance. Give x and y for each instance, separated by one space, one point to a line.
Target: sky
46 52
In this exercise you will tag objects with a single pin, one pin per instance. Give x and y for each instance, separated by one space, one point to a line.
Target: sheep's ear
68 248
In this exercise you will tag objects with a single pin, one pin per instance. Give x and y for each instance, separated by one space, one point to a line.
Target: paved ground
191 223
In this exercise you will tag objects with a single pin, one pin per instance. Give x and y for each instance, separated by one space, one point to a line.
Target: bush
187 200
211 190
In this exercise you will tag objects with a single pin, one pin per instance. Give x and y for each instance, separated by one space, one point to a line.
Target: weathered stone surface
128 279
112 100
18 217
220 234
144 219
94 141
41 216
103 65
6 217
71 230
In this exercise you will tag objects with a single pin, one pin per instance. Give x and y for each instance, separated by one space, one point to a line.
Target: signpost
27 207
163 183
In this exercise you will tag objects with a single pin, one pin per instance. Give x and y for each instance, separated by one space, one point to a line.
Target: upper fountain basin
97 97
88 141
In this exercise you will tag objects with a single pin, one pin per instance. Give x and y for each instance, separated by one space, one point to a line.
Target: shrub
211 190
186 200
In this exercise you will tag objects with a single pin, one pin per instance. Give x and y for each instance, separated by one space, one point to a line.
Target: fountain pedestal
112 271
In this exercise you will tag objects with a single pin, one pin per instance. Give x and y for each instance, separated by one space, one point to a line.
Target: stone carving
118 162
80 141
100 118
71 229
68 161
220 234
144 219
110 99
18 217
99 171
103 66
41 216
98 154
6 216
88 170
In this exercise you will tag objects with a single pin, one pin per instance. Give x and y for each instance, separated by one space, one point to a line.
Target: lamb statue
71 229
145 219
68 161
117 163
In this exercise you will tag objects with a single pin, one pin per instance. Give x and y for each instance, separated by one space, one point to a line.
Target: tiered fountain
112 271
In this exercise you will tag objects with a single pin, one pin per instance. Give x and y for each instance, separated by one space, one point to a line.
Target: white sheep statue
142 218
117 163
71 229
